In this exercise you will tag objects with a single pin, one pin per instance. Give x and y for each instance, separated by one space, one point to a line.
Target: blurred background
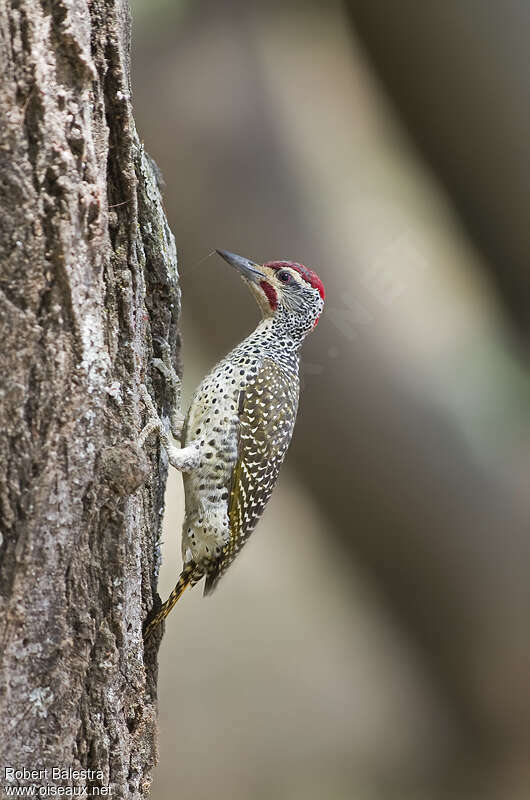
372 640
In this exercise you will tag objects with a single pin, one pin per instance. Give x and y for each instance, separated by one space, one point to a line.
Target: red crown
307 274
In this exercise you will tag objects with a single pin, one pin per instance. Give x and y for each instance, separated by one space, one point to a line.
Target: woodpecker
239 424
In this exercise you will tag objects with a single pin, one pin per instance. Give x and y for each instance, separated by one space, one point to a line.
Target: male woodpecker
239 424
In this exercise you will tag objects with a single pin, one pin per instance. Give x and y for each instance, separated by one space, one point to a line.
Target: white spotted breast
267 410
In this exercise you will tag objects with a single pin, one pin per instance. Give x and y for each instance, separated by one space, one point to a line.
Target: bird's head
284 290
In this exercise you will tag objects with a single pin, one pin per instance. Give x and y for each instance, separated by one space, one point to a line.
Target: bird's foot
165 366
184 459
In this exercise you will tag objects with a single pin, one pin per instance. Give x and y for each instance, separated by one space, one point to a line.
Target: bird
239 425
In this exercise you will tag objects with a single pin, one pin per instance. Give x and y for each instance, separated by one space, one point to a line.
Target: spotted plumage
267 413
239 424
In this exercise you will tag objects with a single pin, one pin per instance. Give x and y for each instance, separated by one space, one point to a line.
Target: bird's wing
267 413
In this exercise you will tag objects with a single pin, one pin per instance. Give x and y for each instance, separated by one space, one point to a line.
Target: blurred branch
458 74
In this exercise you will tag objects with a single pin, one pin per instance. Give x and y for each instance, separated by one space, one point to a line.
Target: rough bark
88 278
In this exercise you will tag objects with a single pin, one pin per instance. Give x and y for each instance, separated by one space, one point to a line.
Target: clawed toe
165 365
154 422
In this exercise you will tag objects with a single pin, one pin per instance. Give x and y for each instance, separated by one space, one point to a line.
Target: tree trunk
88 279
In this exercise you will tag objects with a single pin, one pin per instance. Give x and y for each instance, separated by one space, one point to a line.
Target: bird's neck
279 341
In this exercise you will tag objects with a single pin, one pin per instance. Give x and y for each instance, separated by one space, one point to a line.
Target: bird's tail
155 617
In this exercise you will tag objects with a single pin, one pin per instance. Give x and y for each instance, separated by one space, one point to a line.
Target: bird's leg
185 459
165 367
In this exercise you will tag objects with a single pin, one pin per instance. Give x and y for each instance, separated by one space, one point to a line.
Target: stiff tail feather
154 619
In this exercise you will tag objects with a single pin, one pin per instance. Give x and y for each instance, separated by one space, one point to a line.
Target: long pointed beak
247 268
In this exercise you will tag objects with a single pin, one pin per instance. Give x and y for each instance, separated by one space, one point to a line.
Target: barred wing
267 413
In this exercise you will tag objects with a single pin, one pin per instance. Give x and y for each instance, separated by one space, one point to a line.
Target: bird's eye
284 276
